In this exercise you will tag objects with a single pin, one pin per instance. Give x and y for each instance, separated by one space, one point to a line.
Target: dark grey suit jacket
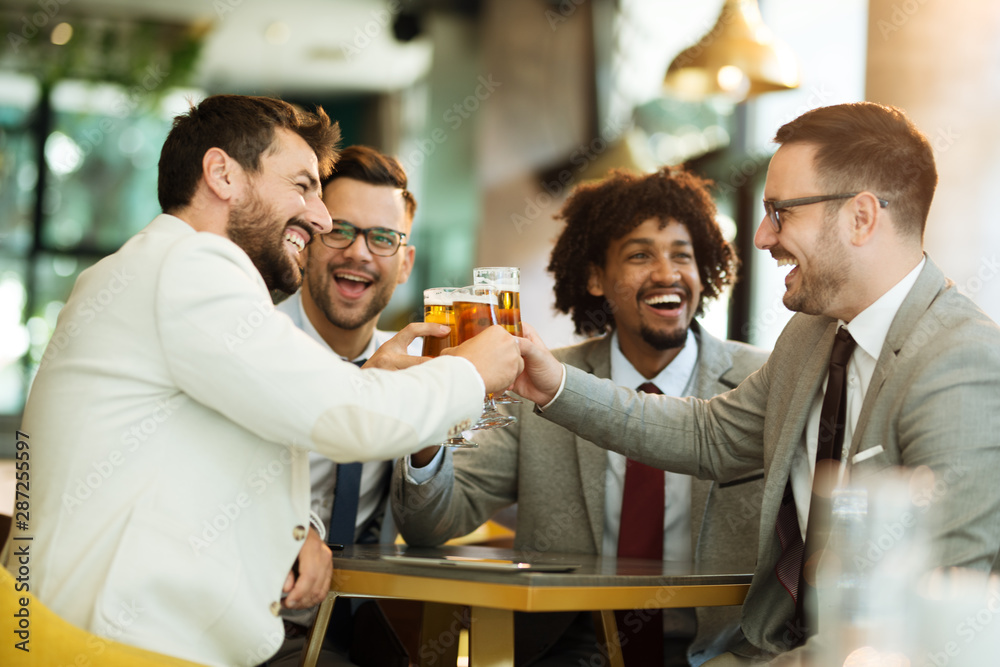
558 480
934 400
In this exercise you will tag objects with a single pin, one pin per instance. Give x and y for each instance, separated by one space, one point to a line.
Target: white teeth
358 279
788 262
663 298
296 240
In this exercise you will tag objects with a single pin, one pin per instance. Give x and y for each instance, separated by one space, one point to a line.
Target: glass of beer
477 309
439 308
507 281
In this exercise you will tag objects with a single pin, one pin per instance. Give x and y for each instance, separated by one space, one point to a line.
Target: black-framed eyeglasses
774 207
380 241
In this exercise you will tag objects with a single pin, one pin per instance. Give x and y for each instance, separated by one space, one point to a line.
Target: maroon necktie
795 558
641 536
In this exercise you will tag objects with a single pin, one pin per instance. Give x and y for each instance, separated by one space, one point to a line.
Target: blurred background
496 108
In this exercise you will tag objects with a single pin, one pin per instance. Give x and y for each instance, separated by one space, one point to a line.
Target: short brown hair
243 127
868 146
596 214
365 164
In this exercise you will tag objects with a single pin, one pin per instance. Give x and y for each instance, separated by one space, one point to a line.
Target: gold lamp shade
738 58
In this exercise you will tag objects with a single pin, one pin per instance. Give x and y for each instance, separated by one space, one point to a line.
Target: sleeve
469 488
720 438
228 349
949 423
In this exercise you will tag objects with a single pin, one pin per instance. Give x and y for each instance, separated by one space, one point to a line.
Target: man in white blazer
349 278
171 416
846 197
637 260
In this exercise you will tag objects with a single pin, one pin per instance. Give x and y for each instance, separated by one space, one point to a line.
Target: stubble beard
817 292
251 227
320 284
663 340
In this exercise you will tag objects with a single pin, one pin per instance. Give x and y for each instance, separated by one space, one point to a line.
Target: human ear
219 171
866 215
595 281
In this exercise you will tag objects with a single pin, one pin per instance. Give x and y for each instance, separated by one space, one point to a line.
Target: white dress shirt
869 329
674 380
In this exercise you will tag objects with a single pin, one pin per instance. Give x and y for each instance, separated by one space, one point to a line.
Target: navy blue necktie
343 520
344 516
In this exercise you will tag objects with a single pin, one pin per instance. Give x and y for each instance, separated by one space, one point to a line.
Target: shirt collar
308 327
672 380
870 327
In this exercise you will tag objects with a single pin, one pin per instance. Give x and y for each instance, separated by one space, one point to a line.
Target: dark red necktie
641 536
796 564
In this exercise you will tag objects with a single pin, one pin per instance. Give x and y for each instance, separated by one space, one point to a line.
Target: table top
598 582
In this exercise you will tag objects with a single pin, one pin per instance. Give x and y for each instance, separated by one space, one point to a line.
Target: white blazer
169 425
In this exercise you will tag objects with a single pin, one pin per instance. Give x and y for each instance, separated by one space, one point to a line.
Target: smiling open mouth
664 303
351 284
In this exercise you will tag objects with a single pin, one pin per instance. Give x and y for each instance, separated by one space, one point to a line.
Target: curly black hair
596 214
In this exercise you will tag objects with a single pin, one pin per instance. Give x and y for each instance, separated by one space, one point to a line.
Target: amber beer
509 313
438 308
475 312
507 281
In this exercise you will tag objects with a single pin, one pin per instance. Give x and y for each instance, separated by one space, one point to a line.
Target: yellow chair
52 641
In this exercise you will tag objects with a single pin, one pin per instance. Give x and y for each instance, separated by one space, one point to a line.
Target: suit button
275 608
299 533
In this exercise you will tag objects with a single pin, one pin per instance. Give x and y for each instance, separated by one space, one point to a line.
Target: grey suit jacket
934 400
558 480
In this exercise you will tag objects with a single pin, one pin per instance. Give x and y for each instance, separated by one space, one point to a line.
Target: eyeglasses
380 241
773 207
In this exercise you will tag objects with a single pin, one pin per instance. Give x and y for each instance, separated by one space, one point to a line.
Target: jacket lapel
799 405
593 460
928 285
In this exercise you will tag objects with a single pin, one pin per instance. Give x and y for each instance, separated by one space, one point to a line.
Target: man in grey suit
637 260
349 277
846 197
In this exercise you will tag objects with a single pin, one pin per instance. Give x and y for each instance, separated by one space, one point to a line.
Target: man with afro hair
638 258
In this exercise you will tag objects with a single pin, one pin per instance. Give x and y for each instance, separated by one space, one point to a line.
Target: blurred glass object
868 577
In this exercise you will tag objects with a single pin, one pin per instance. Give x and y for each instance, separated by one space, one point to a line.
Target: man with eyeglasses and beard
350 275
170 429
885 369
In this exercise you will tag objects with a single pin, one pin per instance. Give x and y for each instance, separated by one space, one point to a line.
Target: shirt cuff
562 383
316 523
425 474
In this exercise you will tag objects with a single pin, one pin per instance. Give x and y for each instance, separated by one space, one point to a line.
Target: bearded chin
287 280
250 226
668 340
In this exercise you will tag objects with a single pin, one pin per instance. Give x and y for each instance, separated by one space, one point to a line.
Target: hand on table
315 570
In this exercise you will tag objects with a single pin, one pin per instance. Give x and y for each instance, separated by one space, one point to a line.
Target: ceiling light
61 34
738 58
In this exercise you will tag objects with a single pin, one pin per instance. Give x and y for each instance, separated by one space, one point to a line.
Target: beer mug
507 281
